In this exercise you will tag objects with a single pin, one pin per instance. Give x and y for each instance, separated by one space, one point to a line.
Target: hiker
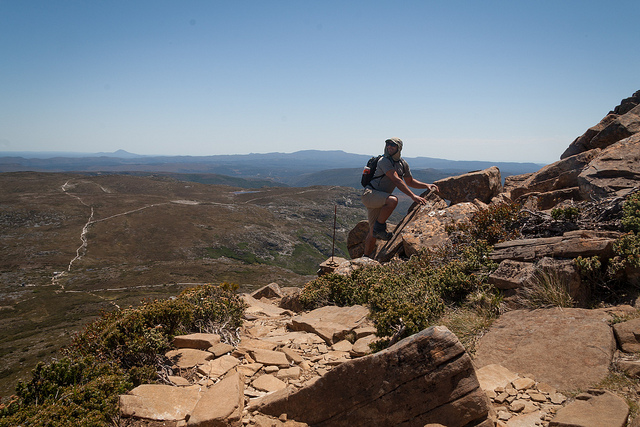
392 171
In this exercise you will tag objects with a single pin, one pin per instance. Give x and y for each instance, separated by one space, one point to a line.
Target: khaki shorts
374 200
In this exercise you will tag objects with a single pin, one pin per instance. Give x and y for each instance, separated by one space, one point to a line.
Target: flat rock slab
189 357
218 367
571 244
425 378
568 348
493 376
603 409
628 335
199 341
159 402
259 308
331 323
221 404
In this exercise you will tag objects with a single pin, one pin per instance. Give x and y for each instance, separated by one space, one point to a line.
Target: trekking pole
333 244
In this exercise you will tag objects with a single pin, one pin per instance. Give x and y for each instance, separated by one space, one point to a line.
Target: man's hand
433 187
419 200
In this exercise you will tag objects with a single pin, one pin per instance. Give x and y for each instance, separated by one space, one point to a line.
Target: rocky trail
287 368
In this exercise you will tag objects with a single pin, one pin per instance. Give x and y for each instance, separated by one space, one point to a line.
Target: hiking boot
382 234
380 231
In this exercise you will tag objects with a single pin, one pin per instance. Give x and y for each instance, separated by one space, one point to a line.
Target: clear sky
510 80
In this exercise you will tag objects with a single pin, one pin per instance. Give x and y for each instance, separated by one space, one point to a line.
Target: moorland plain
76 244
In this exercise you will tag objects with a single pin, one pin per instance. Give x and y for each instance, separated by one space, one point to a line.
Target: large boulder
482 185
597 408
568 348
614 171
426 378
221 404
395 245
428 228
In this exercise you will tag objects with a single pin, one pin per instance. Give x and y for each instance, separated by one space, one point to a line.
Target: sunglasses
391 143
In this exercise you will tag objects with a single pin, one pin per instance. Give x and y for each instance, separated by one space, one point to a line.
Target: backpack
369 170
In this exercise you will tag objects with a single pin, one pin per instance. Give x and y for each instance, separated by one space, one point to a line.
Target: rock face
568 348
614 171
426 378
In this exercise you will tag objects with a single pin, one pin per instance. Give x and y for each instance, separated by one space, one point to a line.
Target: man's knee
392 201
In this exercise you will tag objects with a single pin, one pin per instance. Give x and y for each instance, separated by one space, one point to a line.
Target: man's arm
393 176
412 182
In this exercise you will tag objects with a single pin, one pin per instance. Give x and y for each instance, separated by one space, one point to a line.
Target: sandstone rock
493 376
343 345
482 185
362 346
218 367
511 274
292 355
618 129
568 348
558 175
550 199
198 341
330 265
393 246
348 267
188 357
582 143
272 290
426 378
268 383
292 373
220 405
291 299
428 229
269 357
630 367
614 171
219 349
601 409
159 402
571 244
331 323
179 381
249 369
628 335
259 308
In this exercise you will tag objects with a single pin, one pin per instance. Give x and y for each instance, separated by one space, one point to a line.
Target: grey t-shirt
381 181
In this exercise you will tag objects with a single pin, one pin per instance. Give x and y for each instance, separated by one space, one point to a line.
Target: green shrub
631 213
569 213
113 354
495 224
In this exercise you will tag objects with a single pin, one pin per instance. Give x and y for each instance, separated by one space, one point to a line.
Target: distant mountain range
299 169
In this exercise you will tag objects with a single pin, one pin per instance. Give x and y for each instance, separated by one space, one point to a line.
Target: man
392 171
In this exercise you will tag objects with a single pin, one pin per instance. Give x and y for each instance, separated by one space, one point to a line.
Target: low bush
113 354
406 297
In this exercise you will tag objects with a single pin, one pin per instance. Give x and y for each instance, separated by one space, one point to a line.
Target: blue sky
462 80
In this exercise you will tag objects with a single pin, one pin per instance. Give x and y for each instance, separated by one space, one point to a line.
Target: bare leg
385 213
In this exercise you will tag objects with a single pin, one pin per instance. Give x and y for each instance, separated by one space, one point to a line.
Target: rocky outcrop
429 227
614 171
621 123
426 378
